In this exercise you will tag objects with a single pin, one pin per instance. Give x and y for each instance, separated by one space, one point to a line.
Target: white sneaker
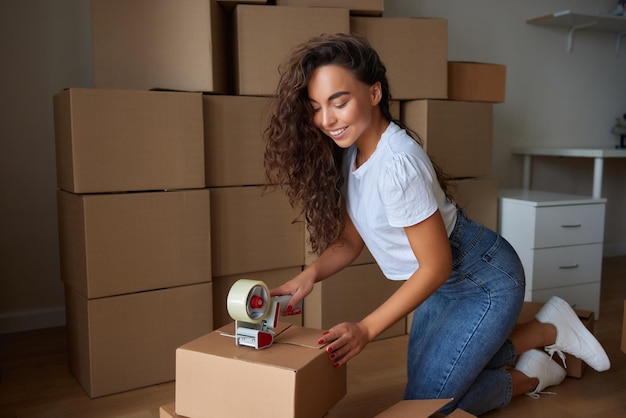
572 336
536 363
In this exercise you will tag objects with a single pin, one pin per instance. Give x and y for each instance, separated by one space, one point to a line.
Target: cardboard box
112 244
479 199
168 410
128 342
457 135
575 366
624 330
272 278
253 230
233 132
264 36
421 409
160 44
350 295
414 50
476 82
126 140
394 109
291 378
403 409
356 7
229 5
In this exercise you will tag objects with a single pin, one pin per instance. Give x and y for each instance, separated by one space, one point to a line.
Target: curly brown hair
298 156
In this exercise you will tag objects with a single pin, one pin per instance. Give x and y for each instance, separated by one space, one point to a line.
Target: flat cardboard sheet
426 408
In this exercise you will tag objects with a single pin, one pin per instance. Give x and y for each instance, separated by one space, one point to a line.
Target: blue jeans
459 335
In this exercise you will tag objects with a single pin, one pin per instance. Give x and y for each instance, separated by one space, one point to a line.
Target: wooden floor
35 382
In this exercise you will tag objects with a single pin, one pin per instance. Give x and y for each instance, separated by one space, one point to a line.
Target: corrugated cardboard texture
476 82
263 37
253 231
350 295
233 140
112 244
123 140
415 52
272 278
213 376
356 7
479 199
457 135
147 44
127 342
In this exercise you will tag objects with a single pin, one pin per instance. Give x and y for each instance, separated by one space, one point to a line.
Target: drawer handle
573 266
571 226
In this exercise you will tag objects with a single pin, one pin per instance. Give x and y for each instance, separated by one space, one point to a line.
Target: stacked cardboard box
254 233
458 134
232 50
135 258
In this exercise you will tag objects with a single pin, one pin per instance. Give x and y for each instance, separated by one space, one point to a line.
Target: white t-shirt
395 188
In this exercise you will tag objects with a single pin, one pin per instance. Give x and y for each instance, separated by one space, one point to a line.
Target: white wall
553 98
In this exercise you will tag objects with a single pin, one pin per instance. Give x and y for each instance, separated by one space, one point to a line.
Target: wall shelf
580 21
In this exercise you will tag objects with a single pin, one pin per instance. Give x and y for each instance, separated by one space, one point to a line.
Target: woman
361 178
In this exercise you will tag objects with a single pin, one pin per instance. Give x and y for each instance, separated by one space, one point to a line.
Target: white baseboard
614 250
31 320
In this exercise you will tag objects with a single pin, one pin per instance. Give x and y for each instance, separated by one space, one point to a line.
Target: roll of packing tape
248 300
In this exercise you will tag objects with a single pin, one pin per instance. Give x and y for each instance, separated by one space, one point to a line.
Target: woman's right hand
298 287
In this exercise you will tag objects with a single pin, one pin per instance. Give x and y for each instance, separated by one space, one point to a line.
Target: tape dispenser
255 312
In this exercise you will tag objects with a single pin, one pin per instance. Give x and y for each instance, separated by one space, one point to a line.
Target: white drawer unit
559 240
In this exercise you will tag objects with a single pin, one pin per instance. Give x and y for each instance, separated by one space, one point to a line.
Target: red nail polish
327 332
329 349
332 356
336 365
289 308
320 341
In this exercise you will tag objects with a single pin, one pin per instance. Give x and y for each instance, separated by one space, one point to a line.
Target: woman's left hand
346 341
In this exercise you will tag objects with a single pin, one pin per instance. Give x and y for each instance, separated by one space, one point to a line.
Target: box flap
476 63
303 337
167 410
414 408
459 413
280 354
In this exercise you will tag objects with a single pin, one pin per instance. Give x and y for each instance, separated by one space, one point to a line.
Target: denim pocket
502 256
